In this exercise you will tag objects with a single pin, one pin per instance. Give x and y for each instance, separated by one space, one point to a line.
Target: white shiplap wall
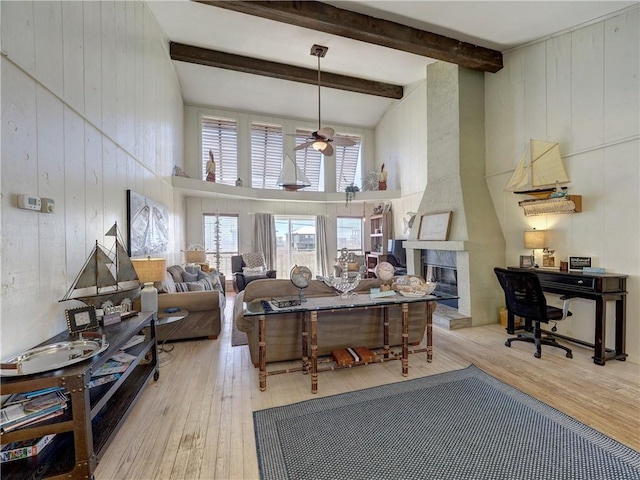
91 107
581 89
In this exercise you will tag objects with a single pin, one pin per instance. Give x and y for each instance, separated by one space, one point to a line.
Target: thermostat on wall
29 202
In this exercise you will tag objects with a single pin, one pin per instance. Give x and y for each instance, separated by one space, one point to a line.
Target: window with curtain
266 155
220 240
220 136
295 243
350 234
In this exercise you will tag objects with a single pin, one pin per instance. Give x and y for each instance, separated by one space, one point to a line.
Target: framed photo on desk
527 261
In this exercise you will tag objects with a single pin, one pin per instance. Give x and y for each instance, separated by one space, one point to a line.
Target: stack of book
28 408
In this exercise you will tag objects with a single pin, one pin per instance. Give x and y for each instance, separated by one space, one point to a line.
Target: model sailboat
291 177
105 275
540 170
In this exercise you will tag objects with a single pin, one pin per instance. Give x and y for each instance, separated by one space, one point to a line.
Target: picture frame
527 261
148 226
81 319
435 226
577 264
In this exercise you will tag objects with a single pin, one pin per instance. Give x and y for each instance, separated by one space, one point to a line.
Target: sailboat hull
539 192
115 297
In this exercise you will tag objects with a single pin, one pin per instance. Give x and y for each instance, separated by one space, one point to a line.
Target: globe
385 271
300 276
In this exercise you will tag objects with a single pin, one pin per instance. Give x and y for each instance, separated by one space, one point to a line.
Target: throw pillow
176 272
252 272
195 287
167 285
253 259
189 277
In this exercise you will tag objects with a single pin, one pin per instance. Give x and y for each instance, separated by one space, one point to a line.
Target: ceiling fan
322 139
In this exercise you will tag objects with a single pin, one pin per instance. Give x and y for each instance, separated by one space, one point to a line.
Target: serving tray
54 356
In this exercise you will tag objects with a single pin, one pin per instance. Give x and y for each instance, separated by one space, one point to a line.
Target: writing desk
599 287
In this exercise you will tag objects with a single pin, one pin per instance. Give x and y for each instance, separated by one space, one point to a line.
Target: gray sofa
350 328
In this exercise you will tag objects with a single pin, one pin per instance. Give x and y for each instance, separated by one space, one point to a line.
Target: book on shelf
123 357
24 448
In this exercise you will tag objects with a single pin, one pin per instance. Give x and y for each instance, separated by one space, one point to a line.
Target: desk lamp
149 270
534 239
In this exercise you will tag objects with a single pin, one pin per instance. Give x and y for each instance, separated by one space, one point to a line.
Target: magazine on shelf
123 357
23 397
135 340
24 448
33 420
17 415
104 379
109 367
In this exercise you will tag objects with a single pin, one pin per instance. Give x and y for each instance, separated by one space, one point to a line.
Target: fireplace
441 266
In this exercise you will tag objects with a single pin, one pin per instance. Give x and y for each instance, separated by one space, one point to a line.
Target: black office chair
524 297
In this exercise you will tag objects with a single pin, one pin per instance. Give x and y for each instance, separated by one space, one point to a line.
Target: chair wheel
537 354
569 355
507 343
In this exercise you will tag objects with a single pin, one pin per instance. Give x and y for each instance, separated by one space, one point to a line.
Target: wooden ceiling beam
229 61
345 23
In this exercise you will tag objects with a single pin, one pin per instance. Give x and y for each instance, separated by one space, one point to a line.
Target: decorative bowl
413 286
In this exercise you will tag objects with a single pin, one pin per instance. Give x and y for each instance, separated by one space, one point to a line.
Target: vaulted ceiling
252 56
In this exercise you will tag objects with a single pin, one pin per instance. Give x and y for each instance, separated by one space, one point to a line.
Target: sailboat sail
291 177
105 275
544 169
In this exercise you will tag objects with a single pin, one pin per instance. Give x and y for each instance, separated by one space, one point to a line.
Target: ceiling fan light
319 145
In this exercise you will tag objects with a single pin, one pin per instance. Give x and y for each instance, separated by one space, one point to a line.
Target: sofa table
313 306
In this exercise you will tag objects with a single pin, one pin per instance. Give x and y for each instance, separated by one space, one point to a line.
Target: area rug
452 426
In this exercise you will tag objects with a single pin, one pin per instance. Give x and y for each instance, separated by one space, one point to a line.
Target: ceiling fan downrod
319 51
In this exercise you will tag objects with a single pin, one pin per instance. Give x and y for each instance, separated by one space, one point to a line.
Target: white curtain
265 238
322 255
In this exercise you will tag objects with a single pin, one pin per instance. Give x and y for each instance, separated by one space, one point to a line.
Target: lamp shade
535 239
195 256
149 269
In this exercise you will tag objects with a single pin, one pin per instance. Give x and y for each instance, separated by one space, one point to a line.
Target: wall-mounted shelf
551 206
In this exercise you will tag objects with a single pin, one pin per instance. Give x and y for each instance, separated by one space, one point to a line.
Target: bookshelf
379 234
93 416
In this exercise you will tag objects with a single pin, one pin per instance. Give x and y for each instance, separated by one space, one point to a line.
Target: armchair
245 272
524 297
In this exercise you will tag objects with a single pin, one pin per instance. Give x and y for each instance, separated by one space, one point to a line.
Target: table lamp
149 270
534 239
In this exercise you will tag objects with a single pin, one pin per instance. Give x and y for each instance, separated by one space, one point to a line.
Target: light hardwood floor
196 421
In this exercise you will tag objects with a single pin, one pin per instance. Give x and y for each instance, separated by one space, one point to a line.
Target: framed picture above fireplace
435 226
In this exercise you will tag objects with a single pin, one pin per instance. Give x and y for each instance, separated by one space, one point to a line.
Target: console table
94 415
315 306
601 288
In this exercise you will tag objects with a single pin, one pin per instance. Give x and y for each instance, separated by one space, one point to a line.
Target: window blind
347 161
221 136
266 155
